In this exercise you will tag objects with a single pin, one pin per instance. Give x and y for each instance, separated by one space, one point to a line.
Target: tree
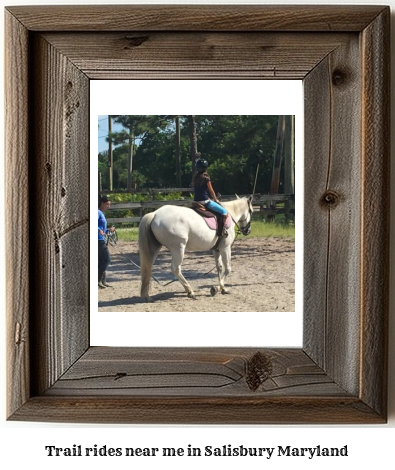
134 127
193 140
165 149
278 155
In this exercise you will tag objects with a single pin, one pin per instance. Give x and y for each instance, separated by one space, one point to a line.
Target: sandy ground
262 280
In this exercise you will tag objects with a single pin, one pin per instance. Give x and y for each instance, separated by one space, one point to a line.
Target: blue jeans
215 207
104 258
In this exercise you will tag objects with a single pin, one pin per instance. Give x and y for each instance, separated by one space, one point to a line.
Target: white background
279 329
22 444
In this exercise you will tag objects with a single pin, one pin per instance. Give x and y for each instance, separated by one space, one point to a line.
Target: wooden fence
266 207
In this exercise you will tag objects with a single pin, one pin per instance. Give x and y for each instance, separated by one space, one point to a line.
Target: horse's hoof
213 291
225 291
191 295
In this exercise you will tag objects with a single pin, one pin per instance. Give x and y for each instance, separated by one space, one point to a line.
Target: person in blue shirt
204 194
104 254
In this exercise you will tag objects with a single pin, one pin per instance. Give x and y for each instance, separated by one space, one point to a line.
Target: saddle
213 220
201 210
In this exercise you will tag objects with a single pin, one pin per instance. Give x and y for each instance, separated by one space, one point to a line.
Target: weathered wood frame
340 374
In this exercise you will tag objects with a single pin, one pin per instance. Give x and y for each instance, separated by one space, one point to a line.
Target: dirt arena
262 280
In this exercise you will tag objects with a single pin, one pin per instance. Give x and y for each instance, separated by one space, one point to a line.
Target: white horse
181 228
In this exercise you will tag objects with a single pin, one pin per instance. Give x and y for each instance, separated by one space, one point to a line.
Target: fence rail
266 206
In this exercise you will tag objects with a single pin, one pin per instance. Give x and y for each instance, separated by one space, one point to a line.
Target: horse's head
245 220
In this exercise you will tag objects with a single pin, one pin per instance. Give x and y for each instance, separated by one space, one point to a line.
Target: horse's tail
148 249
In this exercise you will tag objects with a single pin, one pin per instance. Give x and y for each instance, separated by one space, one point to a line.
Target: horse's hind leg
177 255
146 275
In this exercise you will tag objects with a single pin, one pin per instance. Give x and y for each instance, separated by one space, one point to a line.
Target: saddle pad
212 222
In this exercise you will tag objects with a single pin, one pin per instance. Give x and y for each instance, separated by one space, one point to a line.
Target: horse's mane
233 205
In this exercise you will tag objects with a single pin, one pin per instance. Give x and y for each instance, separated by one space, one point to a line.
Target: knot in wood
135 41
259 369
330 199
340 77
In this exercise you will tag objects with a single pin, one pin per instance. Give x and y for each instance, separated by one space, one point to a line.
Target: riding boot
224 231
220 225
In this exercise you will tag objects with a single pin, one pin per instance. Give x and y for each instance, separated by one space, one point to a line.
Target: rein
245 229
112 239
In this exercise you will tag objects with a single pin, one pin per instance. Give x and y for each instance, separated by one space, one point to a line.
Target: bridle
245 229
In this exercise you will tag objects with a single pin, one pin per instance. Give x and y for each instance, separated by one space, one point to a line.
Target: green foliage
262 229
168 196
138 197
233 145
128 197
155 158
128 234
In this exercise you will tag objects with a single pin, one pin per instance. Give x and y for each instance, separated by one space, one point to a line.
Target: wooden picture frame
340 373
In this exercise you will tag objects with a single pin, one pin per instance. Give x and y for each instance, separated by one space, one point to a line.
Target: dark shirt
202 192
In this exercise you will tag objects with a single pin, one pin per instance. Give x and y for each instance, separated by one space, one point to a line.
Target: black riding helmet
201 165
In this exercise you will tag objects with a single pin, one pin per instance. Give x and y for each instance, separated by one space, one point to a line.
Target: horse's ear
251 198
237 197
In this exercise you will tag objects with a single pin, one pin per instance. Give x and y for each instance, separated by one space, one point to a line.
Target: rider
204 190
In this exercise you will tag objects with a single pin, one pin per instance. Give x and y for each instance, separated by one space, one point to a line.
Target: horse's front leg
177 255
218 263
226 255
222 261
